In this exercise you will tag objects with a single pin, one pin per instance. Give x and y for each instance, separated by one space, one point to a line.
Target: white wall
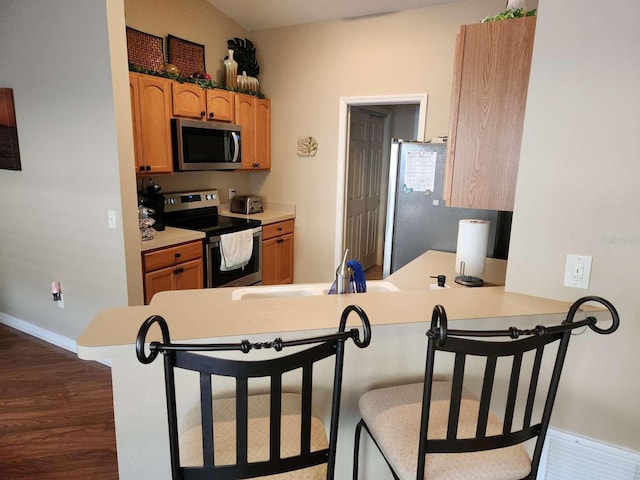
306 69
578 193
53 220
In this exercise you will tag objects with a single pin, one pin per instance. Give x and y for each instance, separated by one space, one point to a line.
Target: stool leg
356 449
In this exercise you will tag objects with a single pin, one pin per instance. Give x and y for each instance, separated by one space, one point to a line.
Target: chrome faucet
343 276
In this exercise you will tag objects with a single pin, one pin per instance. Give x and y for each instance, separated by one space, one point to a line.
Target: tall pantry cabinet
490 81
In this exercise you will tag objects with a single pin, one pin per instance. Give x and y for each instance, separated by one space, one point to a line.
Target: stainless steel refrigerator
417 219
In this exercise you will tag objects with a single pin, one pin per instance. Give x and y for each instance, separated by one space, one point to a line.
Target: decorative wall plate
307 146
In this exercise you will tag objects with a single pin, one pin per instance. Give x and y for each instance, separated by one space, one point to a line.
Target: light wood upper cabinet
155 100
135 121
254 115
491 77
245 118
189 100
151 116
263 133
192 101
221 105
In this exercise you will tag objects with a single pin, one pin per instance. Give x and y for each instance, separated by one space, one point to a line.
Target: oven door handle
215 241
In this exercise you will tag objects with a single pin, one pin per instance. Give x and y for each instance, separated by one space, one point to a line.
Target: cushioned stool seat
258 440
393 417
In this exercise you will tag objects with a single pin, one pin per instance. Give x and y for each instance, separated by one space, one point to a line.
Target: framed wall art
145 50
9 151
186 55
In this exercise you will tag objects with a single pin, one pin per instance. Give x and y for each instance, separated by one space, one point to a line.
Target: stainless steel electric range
199 211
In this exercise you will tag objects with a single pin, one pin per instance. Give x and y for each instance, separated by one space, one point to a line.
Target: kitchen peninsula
399 321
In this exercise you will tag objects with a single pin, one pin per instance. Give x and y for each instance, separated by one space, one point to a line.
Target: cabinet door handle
142 168
279 229
178 270
211 115
203 113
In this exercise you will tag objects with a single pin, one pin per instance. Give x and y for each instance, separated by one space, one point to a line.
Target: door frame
343 145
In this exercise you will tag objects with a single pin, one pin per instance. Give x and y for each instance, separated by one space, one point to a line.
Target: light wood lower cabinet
277 253
180 267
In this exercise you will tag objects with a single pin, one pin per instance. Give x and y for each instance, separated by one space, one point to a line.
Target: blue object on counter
357 282
357 276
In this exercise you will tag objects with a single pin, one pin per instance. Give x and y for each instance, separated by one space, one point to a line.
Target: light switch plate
577 271
111 216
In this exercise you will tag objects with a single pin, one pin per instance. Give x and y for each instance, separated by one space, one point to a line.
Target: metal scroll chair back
209 368
453 421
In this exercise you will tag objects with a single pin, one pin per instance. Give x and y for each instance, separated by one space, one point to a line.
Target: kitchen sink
302 290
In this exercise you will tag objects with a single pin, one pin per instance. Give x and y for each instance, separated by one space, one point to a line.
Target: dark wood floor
56 413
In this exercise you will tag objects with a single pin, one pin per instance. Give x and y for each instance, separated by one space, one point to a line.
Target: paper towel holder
471 251
468 280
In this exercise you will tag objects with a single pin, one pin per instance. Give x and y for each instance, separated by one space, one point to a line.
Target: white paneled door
364 169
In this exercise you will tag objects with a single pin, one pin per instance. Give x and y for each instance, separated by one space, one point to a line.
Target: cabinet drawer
167 257
276 229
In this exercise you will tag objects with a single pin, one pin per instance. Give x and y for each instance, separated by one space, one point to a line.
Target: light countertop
191 316
276 212
273 213
170 236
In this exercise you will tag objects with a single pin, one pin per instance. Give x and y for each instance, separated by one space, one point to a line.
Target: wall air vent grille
569 457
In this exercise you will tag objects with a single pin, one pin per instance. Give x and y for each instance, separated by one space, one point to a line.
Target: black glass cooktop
207 220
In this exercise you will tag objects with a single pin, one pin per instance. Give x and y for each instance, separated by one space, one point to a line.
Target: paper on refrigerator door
420 171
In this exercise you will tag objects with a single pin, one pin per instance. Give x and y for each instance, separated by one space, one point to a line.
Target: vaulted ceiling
263 14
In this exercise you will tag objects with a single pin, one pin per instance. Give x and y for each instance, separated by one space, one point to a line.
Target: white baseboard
39 332
43 334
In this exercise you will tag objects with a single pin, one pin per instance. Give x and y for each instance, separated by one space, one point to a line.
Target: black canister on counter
149 196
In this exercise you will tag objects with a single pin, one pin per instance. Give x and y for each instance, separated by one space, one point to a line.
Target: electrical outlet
61 301
232 193
577 271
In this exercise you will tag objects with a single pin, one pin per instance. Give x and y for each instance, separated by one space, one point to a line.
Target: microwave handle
236 147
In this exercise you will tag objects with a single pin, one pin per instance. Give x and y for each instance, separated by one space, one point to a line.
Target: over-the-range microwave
202 145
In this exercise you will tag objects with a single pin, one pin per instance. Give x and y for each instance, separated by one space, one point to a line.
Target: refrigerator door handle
394 164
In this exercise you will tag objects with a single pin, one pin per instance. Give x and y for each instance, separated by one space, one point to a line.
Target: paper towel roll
473 238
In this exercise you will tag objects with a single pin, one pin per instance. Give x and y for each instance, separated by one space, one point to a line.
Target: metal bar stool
253 435
439 430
